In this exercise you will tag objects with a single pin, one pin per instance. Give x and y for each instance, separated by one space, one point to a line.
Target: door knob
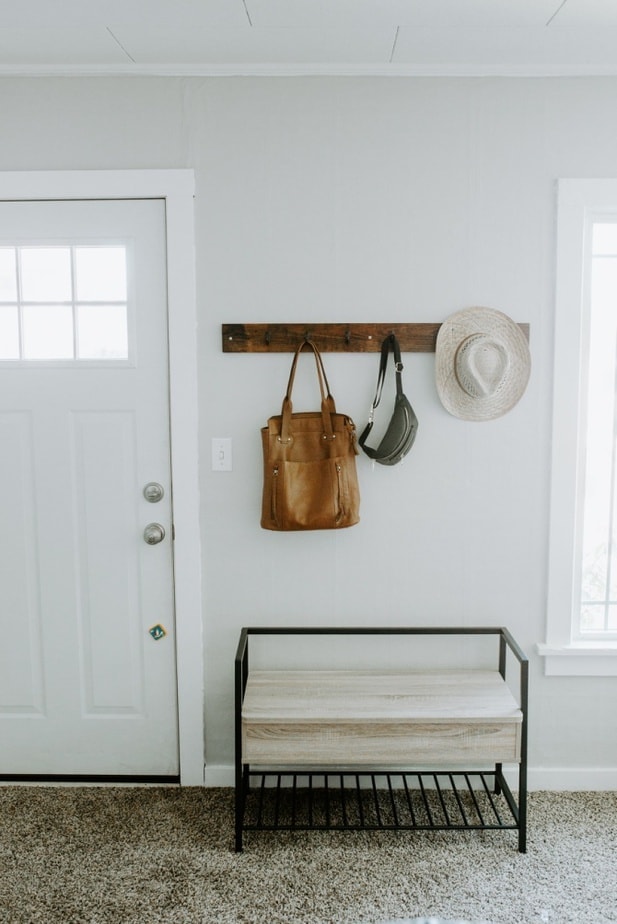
154 533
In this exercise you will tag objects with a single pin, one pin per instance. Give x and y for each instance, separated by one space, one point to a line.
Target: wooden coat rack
333 338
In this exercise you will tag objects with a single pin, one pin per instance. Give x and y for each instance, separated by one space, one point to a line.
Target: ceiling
374 37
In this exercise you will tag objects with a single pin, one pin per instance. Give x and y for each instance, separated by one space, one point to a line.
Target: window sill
580 659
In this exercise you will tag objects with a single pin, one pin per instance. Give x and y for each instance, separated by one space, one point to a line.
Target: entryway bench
381 749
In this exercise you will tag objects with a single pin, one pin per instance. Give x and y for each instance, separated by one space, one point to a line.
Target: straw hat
482 364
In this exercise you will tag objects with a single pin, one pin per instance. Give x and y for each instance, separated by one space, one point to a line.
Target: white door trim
177 188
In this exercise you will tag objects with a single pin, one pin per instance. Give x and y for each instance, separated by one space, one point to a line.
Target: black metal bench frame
379 799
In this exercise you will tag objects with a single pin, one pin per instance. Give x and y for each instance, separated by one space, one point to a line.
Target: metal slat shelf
323 800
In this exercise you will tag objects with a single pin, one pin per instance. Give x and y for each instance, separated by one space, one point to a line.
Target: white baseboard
580 779
554 779
215 776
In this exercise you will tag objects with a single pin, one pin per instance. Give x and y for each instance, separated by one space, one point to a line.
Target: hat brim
498 326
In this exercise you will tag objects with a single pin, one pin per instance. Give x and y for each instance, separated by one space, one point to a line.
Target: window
582 591
597 609
63 302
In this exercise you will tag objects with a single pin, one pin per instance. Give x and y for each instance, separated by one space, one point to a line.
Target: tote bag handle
327 401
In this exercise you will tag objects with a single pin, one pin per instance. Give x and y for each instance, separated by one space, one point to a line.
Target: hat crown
481 365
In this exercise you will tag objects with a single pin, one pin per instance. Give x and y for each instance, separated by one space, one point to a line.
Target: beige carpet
149 855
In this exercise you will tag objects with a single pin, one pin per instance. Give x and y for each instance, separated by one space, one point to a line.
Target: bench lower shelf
324 800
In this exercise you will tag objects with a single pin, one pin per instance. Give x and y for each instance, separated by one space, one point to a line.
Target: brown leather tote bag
310 478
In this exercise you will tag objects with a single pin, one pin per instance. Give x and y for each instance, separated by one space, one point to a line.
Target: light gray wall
357 199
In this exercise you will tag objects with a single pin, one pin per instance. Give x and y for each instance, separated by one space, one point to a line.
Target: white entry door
87 647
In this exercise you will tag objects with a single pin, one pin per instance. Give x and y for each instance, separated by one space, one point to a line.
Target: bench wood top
297 696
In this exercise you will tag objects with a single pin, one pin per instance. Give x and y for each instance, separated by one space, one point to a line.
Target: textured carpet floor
149 855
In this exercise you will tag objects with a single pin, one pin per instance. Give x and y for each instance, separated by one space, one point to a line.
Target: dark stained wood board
333 338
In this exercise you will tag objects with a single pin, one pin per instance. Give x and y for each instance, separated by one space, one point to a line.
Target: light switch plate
221 454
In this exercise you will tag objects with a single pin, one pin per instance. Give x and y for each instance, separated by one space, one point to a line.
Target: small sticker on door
158 632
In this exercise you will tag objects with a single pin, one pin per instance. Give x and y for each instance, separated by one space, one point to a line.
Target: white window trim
580 202
177 188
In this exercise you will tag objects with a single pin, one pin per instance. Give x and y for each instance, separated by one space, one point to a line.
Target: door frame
177 188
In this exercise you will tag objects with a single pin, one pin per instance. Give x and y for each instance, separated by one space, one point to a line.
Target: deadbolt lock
153 492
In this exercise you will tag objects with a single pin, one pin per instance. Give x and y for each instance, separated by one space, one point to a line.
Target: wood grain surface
448 717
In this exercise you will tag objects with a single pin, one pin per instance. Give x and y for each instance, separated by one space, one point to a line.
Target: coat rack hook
268 337
348 336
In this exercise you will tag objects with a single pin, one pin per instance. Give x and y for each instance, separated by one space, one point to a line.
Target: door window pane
9 332
8 276
48 331
100 274
102 332
46 274
64 303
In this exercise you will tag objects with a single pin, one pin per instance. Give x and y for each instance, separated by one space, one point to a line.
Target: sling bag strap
389 342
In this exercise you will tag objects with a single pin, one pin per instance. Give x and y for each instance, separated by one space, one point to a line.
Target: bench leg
522 808
241 782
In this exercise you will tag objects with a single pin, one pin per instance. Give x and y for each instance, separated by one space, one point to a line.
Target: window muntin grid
66 302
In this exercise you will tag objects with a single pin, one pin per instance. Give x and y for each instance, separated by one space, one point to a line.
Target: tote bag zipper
273 493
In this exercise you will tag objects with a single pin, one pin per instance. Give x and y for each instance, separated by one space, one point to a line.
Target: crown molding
303 70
